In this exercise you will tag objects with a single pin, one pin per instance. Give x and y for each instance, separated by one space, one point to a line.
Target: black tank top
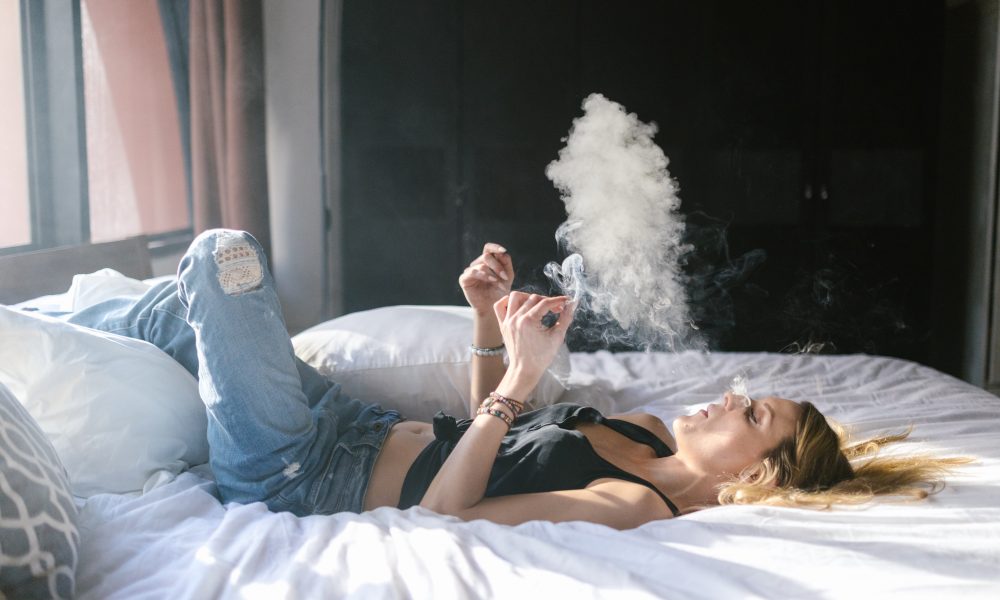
542 452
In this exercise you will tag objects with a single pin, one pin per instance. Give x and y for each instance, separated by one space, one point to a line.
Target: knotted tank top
542 452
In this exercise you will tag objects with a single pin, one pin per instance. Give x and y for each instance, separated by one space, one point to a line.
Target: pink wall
15 224
135 161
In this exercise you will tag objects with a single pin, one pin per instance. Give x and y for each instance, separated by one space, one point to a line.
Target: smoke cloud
624 232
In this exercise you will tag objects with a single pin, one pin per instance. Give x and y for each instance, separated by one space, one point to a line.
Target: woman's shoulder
651 423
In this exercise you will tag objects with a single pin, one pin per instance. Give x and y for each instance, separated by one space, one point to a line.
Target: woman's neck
688 488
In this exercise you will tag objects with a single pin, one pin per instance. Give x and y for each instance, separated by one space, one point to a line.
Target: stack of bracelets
515 407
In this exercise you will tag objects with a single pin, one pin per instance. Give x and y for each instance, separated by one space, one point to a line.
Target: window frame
56 137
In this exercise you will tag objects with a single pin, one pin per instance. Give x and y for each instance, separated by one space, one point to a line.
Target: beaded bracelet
498 414
490 401
496 351
514 406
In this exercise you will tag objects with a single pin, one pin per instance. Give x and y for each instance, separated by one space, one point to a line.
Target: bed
176 540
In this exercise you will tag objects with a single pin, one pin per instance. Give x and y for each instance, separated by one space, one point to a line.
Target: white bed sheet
177 541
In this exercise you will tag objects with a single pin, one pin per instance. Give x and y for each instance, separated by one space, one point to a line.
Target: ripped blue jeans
278 431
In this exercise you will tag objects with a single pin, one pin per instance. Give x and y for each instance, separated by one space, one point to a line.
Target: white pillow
89 289
414 359
118 411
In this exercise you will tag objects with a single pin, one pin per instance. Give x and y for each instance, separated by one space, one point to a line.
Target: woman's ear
755 472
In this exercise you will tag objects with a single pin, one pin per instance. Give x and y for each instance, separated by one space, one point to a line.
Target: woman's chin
685 422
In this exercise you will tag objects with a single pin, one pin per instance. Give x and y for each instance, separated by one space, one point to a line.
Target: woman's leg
271 417
158 317
262 434
279 431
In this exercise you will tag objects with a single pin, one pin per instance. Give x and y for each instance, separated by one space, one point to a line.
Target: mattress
179 541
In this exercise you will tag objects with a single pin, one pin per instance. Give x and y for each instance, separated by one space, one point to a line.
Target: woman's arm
615 503
461 482
487 371
485 281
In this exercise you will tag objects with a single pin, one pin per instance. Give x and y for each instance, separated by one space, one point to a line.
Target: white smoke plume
624 231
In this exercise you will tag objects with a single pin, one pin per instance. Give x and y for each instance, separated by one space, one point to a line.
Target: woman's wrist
518 383
501 407
484 313
486 332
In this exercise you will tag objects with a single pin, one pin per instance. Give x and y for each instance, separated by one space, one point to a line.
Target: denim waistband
341 484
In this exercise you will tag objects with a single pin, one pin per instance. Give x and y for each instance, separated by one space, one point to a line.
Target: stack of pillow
116 415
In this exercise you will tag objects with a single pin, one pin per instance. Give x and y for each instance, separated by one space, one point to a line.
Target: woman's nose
733 400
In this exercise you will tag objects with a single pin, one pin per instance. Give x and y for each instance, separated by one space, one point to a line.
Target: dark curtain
223 81
174 16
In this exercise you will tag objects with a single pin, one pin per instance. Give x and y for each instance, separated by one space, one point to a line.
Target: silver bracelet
487 351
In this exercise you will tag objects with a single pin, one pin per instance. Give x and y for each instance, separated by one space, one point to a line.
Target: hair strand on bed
821 466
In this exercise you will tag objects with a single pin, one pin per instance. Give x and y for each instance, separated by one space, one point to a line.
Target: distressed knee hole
239 266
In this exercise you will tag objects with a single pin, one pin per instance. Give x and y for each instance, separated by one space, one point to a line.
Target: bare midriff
402 446
408 438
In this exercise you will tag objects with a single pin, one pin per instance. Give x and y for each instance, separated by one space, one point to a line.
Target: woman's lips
704 412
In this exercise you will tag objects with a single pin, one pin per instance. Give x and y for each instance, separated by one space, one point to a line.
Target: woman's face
730 436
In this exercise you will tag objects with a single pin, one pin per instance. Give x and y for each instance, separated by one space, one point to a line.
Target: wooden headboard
32 274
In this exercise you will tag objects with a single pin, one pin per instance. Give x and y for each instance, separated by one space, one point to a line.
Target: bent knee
238 258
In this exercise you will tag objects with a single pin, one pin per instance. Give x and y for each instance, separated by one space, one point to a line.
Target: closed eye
750 416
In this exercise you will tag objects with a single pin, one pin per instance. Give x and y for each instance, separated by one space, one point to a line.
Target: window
101 156
135 163
15 226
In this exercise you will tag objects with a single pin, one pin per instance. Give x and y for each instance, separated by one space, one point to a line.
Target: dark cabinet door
878 113
519 94
835 182
400 109
880 70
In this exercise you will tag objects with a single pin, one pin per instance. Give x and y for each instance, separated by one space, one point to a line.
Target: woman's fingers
507 264
485 273
481 262
492 248
531 308
471 275
547 304
500 307
548 313
479 272
497 258
566 316
496 262
495 265
517 299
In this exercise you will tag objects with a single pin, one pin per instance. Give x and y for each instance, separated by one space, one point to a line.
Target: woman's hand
487 279
531 345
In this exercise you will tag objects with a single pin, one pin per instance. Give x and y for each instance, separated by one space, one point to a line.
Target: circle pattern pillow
38 533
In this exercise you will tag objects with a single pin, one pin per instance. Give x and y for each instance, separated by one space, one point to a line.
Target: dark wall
964 217
803 129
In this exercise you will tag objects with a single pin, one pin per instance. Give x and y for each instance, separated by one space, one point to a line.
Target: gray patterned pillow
38 534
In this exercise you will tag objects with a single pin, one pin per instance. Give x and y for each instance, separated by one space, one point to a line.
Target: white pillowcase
414 359
119 412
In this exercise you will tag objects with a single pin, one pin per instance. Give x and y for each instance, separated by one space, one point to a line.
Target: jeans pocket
337 486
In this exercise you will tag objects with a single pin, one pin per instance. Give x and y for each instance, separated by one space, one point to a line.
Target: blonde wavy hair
820 466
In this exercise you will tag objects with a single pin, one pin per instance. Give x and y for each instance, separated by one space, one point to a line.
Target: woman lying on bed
281 433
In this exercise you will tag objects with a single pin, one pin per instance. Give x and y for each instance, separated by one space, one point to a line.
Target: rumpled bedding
178 541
